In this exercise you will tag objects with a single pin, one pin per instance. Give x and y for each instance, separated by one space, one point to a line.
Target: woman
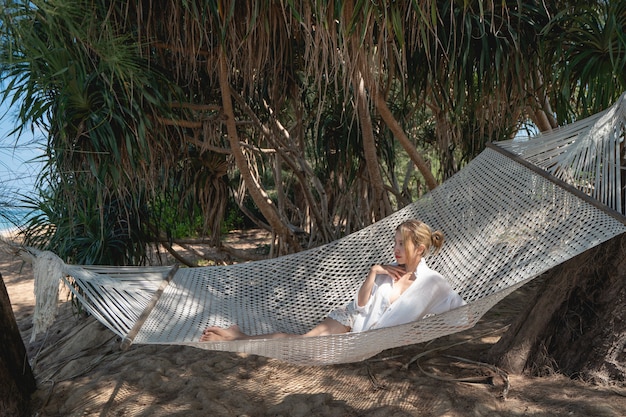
390 295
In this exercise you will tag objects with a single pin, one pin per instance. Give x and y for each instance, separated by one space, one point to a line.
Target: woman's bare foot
215 333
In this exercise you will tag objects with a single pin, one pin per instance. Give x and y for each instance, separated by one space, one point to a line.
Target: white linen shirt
428 294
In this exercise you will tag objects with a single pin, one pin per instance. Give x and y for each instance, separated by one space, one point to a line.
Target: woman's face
400 252
398 249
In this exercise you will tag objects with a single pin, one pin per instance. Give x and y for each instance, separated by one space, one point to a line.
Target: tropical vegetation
311 119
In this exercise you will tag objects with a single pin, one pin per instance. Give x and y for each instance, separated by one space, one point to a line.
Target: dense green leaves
86 84
588 47
128 93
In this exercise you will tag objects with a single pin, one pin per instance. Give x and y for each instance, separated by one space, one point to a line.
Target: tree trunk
300 167
379 200
260 198
576 325
540 110
16 377
398 133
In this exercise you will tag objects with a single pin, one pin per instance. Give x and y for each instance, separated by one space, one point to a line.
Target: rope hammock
518 209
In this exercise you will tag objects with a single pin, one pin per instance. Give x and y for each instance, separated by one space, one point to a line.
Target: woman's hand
394 271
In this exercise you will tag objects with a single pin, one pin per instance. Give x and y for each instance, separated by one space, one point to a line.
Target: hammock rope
508 216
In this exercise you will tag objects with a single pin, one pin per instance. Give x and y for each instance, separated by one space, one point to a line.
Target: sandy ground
81 371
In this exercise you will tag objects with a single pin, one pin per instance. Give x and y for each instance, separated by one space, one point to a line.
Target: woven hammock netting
518 209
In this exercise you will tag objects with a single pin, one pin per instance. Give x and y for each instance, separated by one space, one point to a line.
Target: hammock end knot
48 271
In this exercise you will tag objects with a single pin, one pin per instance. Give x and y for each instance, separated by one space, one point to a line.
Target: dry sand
81 371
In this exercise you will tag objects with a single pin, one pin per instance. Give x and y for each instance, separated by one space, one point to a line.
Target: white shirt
428 294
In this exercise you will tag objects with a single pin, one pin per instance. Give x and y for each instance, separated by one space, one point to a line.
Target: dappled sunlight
81 370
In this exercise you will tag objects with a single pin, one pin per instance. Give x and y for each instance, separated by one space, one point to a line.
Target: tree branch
398 133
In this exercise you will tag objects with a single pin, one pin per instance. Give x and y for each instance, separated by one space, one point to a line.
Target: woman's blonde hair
415 233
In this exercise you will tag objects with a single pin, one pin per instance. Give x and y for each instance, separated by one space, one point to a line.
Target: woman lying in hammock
390 295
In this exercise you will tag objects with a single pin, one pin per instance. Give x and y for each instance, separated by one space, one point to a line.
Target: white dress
428 294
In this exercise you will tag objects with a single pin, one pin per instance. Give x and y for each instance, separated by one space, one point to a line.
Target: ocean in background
11 218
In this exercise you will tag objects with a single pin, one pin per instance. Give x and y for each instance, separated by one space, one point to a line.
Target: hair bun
437 239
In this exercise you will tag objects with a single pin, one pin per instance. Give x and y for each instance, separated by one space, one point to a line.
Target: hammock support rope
515 211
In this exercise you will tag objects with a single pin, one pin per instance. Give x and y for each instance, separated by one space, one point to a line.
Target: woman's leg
326 327
215 333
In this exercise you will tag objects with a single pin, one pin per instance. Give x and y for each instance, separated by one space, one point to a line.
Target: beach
81 371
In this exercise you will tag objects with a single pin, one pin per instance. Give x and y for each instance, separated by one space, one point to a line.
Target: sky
18 171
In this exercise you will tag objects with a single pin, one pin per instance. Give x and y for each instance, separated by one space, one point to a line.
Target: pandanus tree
575 322
82 81
244 90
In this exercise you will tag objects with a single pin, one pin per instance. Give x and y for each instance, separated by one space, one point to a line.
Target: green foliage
471 69
137 147
233 219
85 81
94 231
166 218
585 48
335 144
